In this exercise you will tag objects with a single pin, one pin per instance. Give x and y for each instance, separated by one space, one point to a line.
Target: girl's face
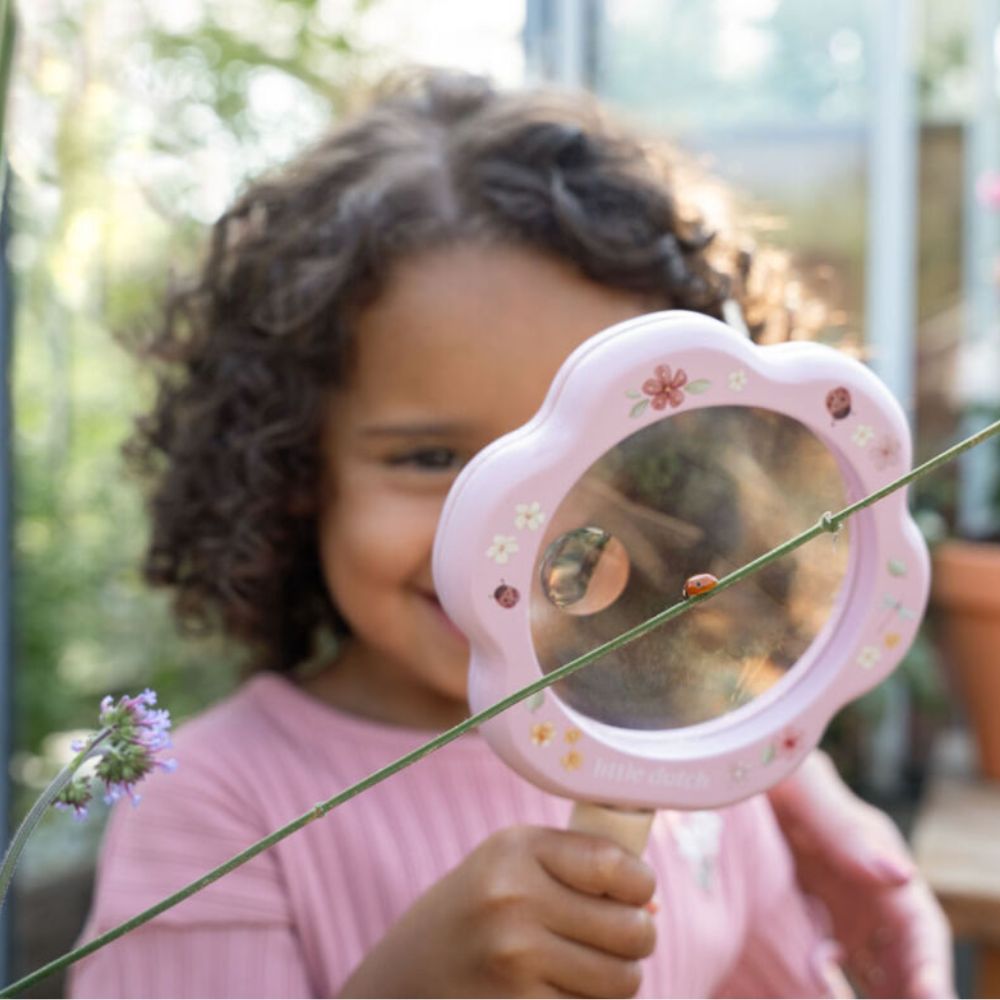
458 350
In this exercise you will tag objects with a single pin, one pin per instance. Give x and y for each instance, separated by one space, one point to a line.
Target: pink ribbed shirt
296 920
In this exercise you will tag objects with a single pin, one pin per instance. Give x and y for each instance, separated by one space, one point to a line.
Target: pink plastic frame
489 537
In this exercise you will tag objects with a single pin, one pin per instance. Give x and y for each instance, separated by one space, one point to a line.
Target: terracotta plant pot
966 594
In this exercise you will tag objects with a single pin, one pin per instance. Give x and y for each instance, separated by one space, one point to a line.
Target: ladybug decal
505 595
700 583
838 402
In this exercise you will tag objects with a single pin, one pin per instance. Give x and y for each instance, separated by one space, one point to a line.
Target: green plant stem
37 811
8 31
829 522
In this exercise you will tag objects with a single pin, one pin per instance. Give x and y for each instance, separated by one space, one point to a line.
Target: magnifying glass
671 449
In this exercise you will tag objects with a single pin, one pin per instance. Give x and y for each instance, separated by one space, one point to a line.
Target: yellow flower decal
572 735
572 761
542 733
892 639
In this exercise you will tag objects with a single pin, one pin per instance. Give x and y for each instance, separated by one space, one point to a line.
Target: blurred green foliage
132 125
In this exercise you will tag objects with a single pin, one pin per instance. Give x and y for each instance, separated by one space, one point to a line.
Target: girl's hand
532 912
850 855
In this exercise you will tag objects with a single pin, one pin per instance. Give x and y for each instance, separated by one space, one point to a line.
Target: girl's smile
459 349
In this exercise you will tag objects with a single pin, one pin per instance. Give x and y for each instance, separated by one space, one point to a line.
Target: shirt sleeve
786 950
235 938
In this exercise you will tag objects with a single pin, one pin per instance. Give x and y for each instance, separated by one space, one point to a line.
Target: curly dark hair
251 349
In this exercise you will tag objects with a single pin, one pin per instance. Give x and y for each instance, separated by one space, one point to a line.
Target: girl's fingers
596 866
620 929
821 817
925 956
586 972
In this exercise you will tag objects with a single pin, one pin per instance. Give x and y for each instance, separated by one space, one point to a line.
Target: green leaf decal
897 567
536 701
639 408
697 387
632 394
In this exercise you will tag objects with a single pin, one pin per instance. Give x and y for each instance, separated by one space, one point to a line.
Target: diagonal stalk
829 522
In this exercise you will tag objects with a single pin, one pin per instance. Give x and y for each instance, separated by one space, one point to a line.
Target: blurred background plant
143 122
132 124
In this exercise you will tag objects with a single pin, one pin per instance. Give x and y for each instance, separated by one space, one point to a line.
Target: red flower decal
666 387
789 741
886 452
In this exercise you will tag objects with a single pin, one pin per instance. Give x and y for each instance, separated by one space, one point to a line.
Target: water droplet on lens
584 571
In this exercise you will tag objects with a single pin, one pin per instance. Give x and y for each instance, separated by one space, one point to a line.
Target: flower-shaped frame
626 377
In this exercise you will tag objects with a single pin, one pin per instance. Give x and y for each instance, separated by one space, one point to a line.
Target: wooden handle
627 827
630 828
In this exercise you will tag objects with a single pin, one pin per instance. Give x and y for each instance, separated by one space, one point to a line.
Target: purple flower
136 733
76 796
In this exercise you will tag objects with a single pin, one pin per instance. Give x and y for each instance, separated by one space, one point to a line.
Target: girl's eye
427 458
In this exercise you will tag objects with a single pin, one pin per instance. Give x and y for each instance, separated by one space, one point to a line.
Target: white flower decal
737 380
503 547
528 515
869 656
863 435
739 771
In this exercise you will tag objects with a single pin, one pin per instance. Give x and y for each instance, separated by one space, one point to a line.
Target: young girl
365 322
